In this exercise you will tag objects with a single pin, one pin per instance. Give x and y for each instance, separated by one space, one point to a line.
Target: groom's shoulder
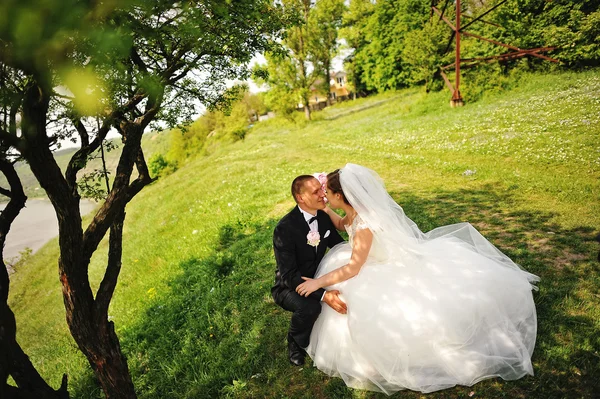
323 216
288 218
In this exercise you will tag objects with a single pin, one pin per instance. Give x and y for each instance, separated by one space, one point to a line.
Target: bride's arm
363 239
336 219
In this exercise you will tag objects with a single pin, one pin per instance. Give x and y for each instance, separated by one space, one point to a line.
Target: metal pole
457 100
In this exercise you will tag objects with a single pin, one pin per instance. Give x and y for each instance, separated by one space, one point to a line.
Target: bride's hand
307 287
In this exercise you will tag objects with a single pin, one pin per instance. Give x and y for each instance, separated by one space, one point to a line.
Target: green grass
193 307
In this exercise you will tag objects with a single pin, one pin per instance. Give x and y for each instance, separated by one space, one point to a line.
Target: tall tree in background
310 45
395 45
573 26
354 32
381 60
286 86
293 70
120 66
325 22
424 52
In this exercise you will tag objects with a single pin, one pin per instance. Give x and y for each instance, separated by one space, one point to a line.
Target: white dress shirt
314 226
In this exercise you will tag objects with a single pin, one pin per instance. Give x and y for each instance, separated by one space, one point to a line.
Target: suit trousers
305 313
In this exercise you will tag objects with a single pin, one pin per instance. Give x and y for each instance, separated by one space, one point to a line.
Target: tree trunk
328 80
103 351
306 110
87 321
96 336
13 361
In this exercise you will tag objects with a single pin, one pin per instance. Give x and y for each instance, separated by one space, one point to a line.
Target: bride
425 311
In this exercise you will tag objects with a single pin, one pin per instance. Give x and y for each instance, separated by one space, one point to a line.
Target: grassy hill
193 306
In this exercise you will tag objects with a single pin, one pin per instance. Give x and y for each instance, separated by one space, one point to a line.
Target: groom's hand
332 298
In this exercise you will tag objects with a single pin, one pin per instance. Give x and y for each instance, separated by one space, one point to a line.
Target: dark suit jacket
294 256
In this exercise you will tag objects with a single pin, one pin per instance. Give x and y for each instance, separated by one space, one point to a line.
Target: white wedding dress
426 311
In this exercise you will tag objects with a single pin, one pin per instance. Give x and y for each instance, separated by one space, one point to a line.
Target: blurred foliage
98 58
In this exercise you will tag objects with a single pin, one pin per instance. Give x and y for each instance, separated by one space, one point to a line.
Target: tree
571 26
286 86
354 32
76 68
325 22
310 45
424 52
13 360
380 60
255 105
288 73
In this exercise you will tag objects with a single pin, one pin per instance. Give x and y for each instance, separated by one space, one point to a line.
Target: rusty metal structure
458 30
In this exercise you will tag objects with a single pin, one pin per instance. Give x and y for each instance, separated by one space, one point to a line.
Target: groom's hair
298 185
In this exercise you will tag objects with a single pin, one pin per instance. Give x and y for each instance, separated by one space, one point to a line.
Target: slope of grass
193 306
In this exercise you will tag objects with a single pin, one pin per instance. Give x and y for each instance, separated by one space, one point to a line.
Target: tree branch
152 107
9 139
186 70
118 197
14 108
137 60
85 137
63 96
10 136
7 216
142 180
79 159
5 192
135 100
113 268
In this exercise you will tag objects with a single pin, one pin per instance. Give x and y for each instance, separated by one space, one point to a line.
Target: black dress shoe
296 353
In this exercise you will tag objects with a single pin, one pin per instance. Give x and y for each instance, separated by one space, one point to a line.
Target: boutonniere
313 238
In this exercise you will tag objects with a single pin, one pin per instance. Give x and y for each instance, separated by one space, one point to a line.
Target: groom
300 241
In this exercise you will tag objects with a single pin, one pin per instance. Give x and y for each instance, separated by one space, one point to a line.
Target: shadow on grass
217 333
364 107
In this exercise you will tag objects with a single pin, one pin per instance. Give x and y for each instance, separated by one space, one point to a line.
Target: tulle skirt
448 317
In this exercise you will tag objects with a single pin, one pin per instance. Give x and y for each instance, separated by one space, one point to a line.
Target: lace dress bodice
352 228
377 252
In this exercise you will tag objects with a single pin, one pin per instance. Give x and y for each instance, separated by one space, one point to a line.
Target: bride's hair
334 185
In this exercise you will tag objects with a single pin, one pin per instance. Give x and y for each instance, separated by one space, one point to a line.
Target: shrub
160 166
